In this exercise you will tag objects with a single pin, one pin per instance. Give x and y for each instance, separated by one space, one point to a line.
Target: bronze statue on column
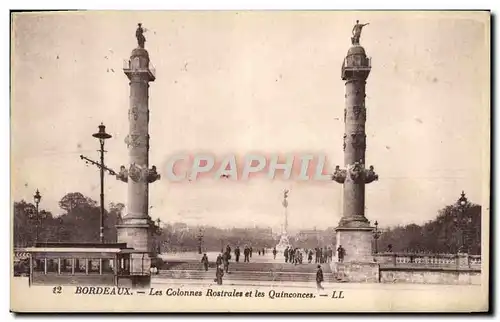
356 32
139 34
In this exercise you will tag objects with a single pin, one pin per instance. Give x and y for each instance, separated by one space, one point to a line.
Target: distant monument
284 242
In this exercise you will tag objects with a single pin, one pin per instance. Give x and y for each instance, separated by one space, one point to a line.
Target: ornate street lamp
158 226
463 221
102 136
158 232
37 198
462 201
376 236
200 241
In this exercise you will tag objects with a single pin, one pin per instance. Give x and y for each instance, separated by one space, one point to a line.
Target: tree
111 219
453 228
26 223
80 221
74 200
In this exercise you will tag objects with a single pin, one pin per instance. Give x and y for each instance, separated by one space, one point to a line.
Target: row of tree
79 221
213 238
454 228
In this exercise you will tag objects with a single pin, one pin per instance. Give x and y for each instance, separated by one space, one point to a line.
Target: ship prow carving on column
354 232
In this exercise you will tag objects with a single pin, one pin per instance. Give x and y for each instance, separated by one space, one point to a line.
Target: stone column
135 229
354 232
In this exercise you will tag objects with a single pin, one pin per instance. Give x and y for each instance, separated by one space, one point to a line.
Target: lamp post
200 240
102 136
463 221
376 236
37 198
158 233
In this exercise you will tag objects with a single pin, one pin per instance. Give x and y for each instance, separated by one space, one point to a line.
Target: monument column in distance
284 241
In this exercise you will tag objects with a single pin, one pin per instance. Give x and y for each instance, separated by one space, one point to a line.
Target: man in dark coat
237 254
319 278
218 261
225 261
246 253
219 272
204 261
340 254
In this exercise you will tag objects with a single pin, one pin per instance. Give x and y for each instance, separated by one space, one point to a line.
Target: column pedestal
283 244
358 265
357 243
136 233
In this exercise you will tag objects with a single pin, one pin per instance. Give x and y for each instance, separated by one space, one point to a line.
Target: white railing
475 260
428 260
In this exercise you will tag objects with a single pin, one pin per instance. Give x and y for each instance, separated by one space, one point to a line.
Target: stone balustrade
422 260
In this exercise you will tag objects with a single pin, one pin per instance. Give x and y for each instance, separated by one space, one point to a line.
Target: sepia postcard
250 161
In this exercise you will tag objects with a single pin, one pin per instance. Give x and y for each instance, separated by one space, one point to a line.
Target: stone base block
356 272
357 243
137 234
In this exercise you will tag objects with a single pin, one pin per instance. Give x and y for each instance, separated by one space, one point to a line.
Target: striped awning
21 255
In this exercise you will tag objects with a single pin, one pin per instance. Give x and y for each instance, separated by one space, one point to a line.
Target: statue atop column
356 32
139 34
285 196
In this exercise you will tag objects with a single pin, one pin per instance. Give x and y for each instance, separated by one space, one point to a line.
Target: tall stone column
354 232
136 227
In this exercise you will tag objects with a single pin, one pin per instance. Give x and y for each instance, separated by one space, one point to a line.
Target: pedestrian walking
204 261
319 278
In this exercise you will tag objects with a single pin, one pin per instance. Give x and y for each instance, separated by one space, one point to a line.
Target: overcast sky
241 82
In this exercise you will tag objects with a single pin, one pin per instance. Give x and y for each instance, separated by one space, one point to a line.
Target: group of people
222 261
296 255
247 253
292 255
321 255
